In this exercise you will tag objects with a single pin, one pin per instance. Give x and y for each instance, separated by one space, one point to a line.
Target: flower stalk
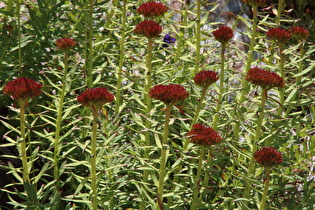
93 161
26 178
121 57
198 179
198 37
164 151
266 187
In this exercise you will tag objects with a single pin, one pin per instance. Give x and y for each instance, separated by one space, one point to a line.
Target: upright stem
147 98
208 167
90 51
93 161
26 178
280 8
198 179
19 33
164 151
121 57
265 193
221 91
282 74
198 37
248 66
59 119
255 140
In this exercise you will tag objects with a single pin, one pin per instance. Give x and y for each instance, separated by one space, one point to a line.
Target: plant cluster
117 105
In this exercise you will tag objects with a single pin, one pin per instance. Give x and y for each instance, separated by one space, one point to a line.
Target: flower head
148 28
268 157
223 34
168 39
152 9
203 135
22 89
299 33
280 35
169 94
265 79
65 43
257 3
205 78
95 98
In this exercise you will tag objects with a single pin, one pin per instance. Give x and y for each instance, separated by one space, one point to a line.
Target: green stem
59 119
198 37
148 101
90 51
280 8
282 74
255 140
19 33
247 67
265 193
221 91
121 57
164 151
93 161
198 179
26 178
208 167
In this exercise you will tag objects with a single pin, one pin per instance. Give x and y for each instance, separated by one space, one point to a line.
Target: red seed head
280 35
22 89
203 135
223 34
205 78
169 94
152 9
268 157
95 97
65 43
299 33
148 28
265 79
256 3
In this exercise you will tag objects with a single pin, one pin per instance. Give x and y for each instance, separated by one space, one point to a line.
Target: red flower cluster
65 43
148 28
299 33
22 89
265 79
205 78
223 34
95 98
152 9
203 135
169 94
280 35
257 3
268 157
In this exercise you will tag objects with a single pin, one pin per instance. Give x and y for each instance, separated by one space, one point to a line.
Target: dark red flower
22 89
169 94
268 157
299 33
257 3
265 79
65 43
280 35
203 135
205 78
95 98
223 34
148 28
152 9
